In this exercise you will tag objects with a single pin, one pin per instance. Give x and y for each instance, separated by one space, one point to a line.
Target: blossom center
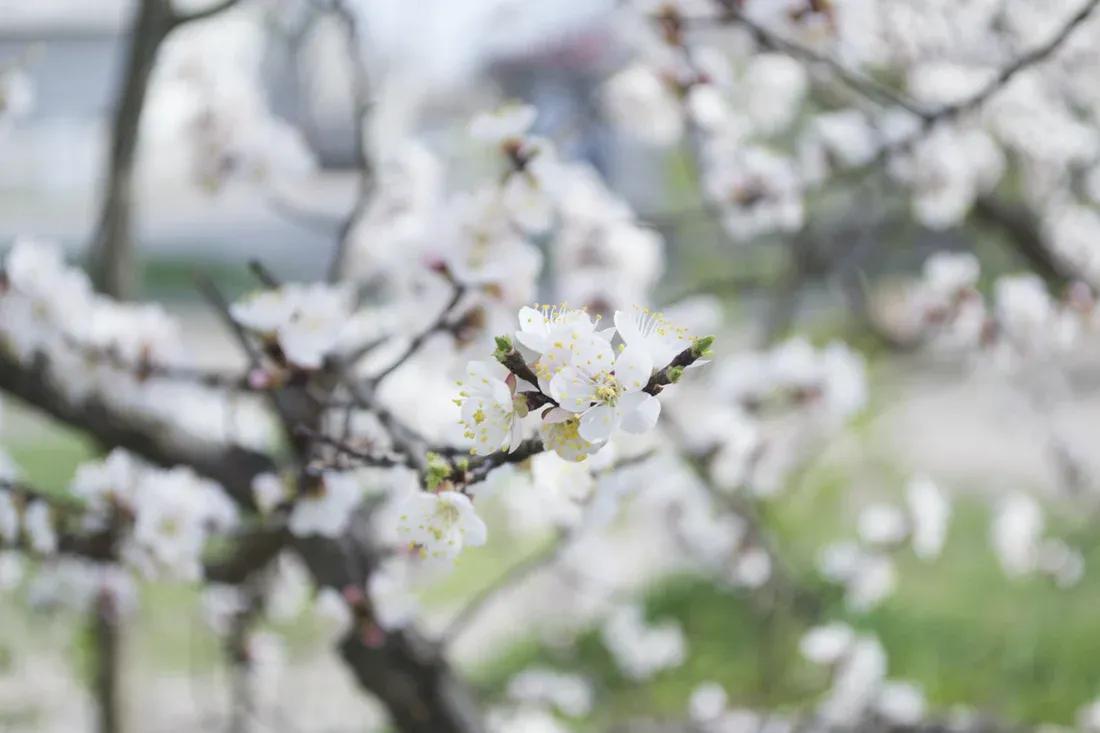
608 388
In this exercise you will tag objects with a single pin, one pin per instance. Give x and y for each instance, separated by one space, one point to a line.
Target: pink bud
259 379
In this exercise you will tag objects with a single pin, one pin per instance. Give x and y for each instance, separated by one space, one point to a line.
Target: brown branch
210 11
865 85
949 112
111 254
231 466
1023 235
367 458
106 641
440 324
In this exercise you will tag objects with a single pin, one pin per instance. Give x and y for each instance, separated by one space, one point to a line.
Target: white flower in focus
439 525
552 331
38 523
508 123
327 507
931 511
607 392
492 418
652 333
560 432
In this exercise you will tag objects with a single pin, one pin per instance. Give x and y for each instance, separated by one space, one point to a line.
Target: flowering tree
378 411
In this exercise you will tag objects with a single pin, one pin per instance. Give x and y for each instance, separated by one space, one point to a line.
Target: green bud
700 347
504 347
674 374
438 471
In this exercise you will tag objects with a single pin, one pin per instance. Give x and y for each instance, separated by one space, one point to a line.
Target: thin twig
438 325
210 11
865 85
369 459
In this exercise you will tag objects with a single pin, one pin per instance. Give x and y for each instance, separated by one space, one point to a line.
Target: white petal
639 412
474 532
598 423
592 354
573 390
633 368
552 416
626 323
517 435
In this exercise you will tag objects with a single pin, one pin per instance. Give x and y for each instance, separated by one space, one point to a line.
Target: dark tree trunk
111 258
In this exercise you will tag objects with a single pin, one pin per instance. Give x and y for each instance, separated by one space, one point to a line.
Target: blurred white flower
931 511
827 644
438 526
642 650
327 507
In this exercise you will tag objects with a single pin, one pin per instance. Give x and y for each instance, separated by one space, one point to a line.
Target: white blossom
326 509
607 392
438 526
492 415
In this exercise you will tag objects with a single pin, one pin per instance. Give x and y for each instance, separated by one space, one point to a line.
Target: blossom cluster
169 514
567 365
94 348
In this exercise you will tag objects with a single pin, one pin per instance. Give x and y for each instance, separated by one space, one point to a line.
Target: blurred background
1022 648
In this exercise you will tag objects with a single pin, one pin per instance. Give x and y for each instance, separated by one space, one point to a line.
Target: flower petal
598 423
626 323
633 368
572 389
639 412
